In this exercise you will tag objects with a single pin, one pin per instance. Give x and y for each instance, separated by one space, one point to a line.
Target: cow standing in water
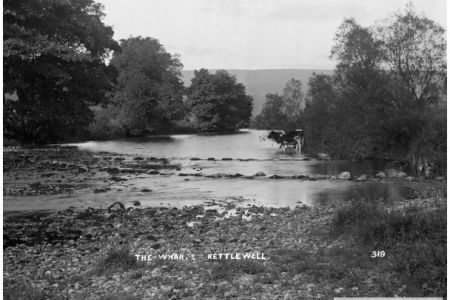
291 138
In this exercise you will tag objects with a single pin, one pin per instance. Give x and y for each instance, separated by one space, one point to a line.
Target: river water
250 152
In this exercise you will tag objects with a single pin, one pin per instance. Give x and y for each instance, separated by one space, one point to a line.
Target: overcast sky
251 34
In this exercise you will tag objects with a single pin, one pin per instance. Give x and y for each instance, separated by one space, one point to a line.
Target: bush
428 150
106 124
374 224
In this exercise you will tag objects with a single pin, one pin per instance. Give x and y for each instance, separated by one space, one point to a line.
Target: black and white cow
291 138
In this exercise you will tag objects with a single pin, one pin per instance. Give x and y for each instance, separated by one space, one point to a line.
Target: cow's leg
295 144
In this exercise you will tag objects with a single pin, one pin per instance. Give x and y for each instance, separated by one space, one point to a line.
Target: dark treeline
58 86
385 100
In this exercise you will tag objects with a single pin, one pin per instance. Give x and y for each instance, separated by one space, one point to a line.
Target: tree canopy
414 47
218 102
283 112
54 68
149 90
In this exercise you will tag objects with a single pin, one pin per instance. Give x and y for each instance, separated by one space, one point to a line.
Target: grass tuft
229 269
117 259
120 296
23 291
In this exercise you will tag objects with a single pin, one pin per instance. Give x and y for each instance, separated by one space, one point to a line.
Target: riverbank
309 252
90 254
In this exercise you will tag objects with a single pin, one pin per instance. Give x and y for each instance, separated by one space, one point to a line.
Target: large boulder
344 175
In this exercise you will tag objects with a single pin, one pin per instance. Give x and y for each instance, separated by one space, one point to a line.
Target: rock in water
260 174
380 175
395 173
363 177
323 156
344 175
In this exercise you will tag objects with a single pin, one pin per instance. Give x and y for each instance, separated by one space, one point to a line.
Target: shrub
106 124
374 224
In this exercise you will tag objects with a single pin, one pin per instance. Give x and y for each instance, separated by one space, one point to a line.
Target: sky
252 34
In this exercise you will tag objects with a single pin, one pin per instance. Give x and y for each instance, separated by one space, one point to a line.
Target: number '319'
378 254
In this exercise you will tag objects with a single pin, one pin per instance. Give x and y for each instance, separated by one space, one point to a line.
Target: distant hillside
258 83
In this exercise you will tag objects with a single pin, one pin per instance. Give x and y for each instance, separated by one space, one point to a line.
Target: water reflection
250 153
371 191
264 154
245 145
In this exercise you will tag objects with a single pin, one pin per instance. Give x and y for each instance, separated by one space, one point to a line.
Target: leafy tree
283 112
272 115
293 103
218 102
383 99
415 49
53 53
355 47
320 111
149 89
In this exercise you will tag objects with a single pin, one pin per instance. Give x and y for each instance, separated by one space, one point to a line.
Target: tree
149 89
294 102
54 53
272 115
319 113
382 100
283 112
219 102
415 49
355 47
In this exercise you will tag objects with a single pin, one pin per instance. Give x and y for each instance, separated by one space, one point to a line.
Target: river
247 153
